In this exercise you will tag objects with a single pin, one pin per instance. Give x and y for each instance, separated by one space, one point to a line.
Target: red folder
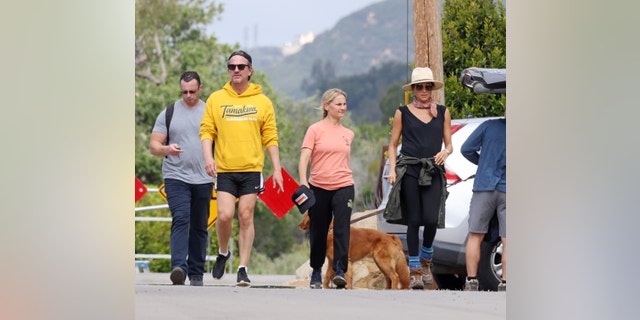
279 202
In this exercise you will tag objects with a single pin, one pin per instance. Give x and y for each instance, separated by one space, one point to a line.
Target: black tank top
420 139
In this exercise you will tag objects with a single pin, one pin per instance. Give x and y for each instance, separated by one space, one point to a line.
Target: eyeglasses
421 86
232 67
189 91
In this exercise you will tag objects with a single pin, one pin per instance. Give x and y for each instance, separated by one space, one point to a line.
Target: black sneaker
339 279
316 279
218 268
177 276
243 280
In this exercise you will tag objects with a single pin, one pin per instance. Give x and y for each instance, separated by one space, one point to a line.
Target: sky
254 23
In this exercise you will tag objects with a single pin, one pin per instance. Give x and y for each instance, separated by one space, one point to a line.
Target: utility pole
427 39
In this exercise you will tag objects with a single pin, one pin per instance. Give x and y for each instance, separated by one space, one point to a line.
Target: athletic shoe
471 285
316 279
339 279
243 279
218 268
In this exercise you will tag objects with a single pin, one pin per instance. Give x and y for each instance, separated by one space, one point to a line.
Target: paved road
281 297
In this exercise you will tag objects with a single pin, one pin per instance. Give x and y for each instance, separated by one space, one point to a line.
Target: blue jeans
189 206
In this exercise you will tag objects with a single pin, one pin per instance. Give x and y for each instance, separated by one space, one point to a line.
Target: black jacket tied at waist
429 170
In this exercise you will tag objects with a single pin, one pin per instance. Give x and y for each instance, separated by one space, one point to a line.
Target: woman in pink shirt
327 146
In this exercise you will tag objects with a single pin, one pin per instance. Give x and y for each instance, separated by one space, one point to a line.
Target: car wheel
447 281
490 266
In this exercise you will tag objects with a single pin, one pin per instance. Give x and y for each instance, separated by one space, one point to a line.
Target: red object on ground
141 189
279 202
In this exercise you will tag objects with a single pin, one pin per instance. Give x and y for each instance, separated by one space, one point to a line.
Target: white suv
449 265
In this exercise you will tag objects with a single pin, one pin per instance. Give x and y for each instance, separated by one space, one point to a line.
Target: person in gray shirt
187 185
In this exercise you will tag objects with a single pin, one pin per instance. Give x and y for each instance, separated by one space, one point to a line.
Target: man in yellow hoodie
240 121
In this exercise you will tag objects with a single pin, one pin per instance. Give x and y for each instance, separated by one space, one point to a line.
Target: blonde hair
328 96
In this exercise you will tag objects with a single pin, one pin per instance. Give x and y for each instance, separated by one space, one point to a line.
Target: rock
366 275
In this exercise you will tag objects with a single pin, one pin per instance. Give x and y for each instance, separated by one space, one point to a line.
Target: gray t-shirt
185 131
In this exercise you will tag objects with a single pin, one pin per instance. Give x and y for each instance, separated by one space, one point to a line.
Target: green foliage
390 102
153 237
473 35
320 76
366 151
269 225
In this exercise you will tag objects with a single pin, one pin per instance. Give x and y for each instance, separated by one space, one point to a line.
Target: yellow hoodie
241 125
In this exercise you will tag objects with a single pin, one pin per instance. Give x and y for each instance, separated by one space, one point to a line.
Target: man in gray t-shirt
187 185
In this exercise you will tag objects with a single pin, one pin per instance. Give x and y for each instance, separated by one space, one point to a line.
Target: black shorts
240 183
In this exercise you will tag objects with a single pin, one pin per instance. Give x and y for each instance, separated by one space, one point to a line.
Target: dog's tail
402 267
304 224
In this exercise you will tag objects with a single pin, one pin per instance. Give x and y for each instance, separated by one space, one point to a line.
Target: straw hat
420 75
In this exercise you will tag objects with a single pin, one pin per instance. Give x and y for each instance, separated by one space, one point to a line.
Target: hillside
367 38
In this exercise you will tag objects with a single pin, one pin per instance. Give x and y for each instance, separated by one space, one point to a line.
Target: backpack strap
167 119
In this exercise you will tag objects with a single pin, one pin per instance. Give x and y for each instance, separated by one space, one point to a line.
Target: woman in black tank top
423 126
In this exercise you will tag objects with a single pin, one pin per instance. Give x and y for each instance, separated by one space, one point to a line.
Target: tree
320 76
163 27
473 35
392 100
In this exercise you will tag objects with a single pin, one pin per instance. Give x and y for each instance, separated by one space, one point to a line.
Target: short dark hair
190 75
241 53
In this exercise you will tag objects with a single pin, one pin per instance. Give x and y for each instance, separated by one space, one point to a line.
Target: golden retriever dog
384 248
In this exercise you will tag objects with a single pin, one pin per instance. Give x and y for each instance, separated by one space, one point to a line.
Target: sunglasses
240 67
421 86
189 91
